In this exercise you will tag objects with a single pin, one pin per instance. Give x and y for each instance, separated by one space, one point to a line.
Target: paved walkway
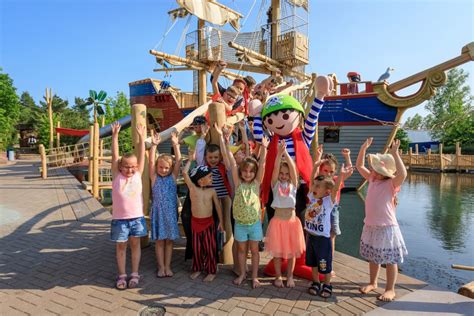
55 259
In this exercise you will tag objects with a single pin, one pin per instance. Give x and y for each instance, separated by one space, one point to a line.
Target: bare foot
290 282
239 280
387 296
168 272
209 278
194 275
161 273
278 282
366 289
255 283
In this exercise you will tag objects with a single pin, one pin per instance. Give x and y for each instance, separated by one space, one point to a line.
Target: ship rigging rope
159 45
183 35
373 119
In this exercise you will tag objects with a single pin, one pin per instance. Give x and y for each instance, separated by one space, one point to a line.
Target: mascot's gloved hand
323 87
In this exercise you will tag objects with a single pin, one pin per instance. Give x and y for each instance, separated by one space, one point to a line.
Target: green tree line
22 109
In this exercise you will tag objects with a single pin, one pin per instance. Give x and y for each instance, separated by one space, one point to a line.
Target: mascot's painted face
282 114
282 122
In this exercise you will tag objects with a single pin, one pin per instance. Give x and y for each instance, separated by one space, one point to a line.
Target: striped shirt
218 183
307 133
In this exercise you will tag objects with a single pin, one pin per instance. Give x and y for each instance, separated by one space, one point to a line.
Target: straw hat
383 164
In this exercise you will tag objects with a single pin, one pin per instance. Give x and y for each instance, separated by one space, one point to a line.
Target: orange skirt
285 238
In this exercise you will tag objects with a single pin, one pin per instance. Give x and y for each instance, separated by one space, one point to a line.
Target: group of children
226 182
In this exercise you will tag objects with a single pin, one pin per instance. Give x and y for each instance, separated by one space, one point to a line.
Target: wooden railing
438 161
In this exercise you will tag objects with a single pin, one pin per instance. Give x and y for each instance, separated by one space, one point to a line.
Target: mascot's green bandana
281 116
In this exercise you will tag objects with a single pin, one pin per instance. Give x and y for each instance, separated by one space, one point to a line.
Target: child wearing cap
381 241
202 223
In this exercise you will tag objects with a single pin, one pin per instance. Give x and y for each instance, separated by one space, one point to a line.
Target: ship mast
202 74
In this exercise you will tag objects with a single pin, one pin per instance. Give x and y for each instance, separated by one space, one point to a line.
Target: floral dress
164 209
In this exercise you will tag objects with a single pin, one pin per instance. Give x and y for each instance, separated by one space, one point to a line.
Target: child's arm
155 140
276 168
141 130
201 146
401 173
292 167
232 165
346 153
280 89
217 204
225 154
115 148
215 76
186 177
245 139
177 154
319 153
315 171
360 163
343 174
261 162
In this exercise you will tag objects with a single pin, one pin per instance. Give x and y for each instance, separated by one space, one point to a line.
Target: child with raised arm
247 210
318 226
164 209
381 241
203 197
284 237
128 222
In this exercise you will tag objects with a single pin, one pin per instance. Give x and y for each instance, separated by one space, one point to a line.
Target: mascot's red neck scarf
303 160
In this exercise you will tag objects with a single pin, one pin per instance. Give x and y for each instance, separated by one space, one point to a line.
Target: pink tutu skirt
285 238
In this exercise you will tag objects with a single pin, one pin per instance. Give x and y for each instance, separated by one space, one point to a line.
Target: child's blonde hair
328 182
248 161
166 157
126 156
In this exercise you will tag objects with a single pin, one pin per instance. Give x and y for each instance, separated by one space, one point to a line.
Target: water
435 213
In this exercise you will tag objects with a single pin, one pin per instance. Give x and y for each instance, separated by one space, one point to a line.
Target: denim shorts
121 229
335 229
252 232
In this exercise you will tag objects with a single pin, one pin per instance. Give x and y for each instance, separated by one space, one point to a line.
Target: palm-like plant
96 99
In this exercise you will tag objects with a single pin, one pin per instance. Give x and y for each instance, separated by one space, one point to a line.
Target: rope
183 35
160 43
373 119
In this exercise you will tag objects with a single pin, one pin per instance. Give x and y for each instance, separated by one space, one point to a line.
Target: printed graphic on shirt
129 188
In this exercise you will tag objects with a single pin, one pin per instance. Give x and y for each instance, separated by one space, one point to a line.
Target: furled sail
212 12
300 3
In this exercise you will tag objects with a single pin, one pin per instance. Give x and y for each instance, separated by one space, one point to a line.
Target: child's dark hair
250 81
211 148
331 159
248 161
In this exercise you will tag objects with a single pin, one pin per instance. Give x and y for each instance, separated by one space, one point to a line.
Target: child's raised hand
345 151
367 143
174 138
395 146
346 172
141 130
319 150
204 129
265 141
281 146
155 138
115 128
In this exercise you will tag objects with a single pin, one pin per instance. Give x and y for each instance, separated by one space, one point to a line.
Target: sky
73 46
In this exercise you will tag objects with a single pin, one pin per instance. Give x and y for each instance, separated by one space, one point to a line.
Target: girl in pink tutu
284 237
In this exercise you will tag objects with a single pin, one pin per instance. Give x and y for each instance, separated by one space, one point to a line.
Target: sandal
121 282
327 290
315 288
134 279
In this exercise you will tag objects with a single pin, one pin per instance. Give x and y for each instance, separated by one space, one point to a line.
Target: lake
435 213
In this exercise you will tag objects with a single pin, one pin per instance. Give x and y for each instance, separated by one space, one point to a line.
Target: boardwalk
56 260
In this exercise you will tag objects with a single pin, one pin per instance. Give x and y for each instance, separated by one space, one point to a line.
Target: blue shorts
319 253
121 229
335 229
253 232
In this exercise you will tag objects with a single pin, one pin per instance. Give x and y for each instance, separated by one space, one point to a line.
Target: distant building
423 139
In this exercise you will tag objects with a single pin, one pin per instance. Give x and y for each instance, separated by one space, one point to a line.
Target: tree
29 111
116 108
451 117
415 122
58 106
9 110
403 137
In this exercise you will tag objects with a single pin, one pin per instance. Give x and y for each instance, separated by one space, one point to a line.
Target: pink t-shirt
127 200
380 203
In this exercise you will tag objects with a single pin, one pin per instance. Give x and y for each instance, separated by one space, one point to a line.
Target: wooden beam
172 69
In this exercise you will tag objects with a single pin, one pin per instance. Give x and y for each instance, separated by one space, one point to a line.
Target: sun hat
281 102
383 164
199 172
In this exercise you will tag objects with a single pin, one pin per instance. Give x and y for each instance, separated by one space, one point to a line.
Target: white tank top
284 195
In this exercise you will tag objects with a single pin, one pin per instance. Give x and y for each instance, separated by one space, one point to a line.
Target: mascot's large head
281 114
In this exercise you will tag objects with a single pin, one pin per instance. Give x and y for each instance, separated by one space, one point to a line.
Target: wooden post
49 102
416 149
202 74
458 155
410 153
139 119
441 159
275 27
91 160
44 165
101 141
95 157
58 135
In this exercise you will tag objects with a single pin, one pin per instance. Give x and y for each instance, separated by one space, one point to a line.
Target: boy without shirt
202 223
